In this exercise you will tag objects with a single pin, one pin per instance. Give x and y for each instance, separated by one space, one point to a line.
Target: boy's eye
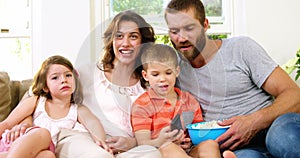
169 72
155 74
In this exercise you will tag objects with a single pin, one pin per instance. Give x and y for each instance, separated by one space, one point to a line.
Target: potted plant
293 65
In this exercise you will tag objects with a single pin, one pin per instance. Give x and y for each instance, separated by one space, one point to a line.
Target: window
15 42
218 13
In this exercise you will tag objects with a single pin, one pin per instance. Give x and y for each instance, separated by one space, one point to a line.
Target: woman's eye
133 37
118 36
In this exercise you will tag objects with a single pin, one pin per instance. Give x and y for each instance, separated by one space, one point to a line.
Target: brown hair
145 29
152 52
184 5
40 78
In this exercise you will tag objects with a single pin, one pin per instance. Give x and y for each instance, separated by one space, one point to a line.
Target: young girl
54 106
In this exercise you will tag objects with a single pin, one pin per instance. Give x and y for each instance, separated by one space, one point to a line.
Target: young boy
154 110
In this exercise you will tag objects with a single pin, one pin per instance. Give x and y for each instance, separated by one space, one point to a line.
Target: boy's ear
144 74
177 71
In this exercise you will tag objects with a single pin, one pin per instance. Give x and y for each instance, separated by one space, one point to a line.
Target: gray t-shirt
230 84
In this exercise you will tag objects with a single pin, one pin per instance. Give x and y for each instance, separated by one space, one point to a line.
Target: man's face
186 33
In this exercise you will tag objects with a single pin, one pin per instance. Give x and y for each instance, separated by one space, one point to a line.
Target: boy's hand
166 135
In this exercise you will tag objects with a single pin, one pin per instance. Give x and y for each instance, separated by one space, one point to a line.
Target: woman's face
126 42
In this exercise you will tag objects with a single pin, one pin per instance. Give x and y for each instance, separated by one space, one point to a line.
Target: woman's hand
120 144
16 132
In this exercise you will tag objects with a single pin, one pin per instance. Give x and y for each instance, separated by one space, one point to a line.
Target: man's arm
287 97
244 128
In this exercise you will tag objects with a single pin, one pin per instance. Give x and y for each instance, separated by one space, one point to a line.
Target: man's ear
177 71
144 74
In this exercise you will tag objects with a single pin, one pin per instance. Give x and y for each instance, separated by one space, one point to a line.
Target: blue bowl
199 135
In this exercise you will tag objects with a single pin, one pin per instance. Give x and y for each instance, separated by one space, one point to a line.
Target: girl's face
60 81
161 77
126 42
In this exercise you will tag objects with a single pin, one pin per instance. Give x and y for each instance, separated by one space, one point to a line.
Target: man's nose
182 36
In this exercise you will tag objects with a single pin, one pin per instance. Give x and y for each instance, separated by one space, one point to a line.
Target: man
236 80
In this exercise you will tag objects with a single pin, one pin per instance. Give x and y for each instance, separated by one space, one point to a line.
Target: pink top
109 102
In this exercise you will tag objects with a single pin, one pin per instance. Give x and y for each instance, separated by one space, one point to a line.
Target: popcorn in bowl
205 130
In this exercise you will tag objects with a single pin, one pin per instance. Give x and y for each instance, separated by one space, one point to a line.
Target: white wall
272 23
60 27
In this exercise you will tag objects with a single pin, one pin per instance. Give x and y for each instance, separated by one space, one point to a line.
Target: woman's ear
144 74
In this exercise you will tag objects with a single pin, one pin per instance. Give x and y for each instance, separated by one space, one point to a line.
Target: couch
11 92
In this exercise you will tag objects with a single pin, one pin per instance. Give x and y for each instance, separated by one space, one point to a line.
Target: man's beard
198 46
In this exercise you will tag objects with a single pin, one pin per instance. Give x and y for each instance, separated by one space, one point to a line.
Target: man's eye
174 31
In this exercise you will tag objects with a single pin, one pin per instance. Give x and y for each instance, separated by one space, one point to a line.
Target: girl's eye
54 78
69 75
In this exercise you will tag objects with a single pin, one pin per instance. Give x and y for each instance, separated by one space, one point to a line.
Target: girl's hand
16 132
103 145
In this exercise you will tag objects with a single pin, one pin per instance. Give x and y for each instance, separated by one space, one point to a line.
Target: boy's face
161 77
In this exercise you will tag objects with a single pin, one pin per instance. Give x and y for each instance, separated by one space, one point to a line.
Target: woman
109 87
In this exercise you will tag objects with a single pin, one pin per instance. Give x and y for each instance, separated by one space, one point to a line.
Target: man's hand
242 130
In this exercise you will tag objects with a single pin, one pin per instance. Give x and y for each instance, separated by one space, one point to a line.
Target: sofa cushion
5 98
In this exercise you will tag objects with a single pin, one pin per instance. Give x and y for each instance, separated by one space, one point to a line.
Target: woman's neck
122 75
